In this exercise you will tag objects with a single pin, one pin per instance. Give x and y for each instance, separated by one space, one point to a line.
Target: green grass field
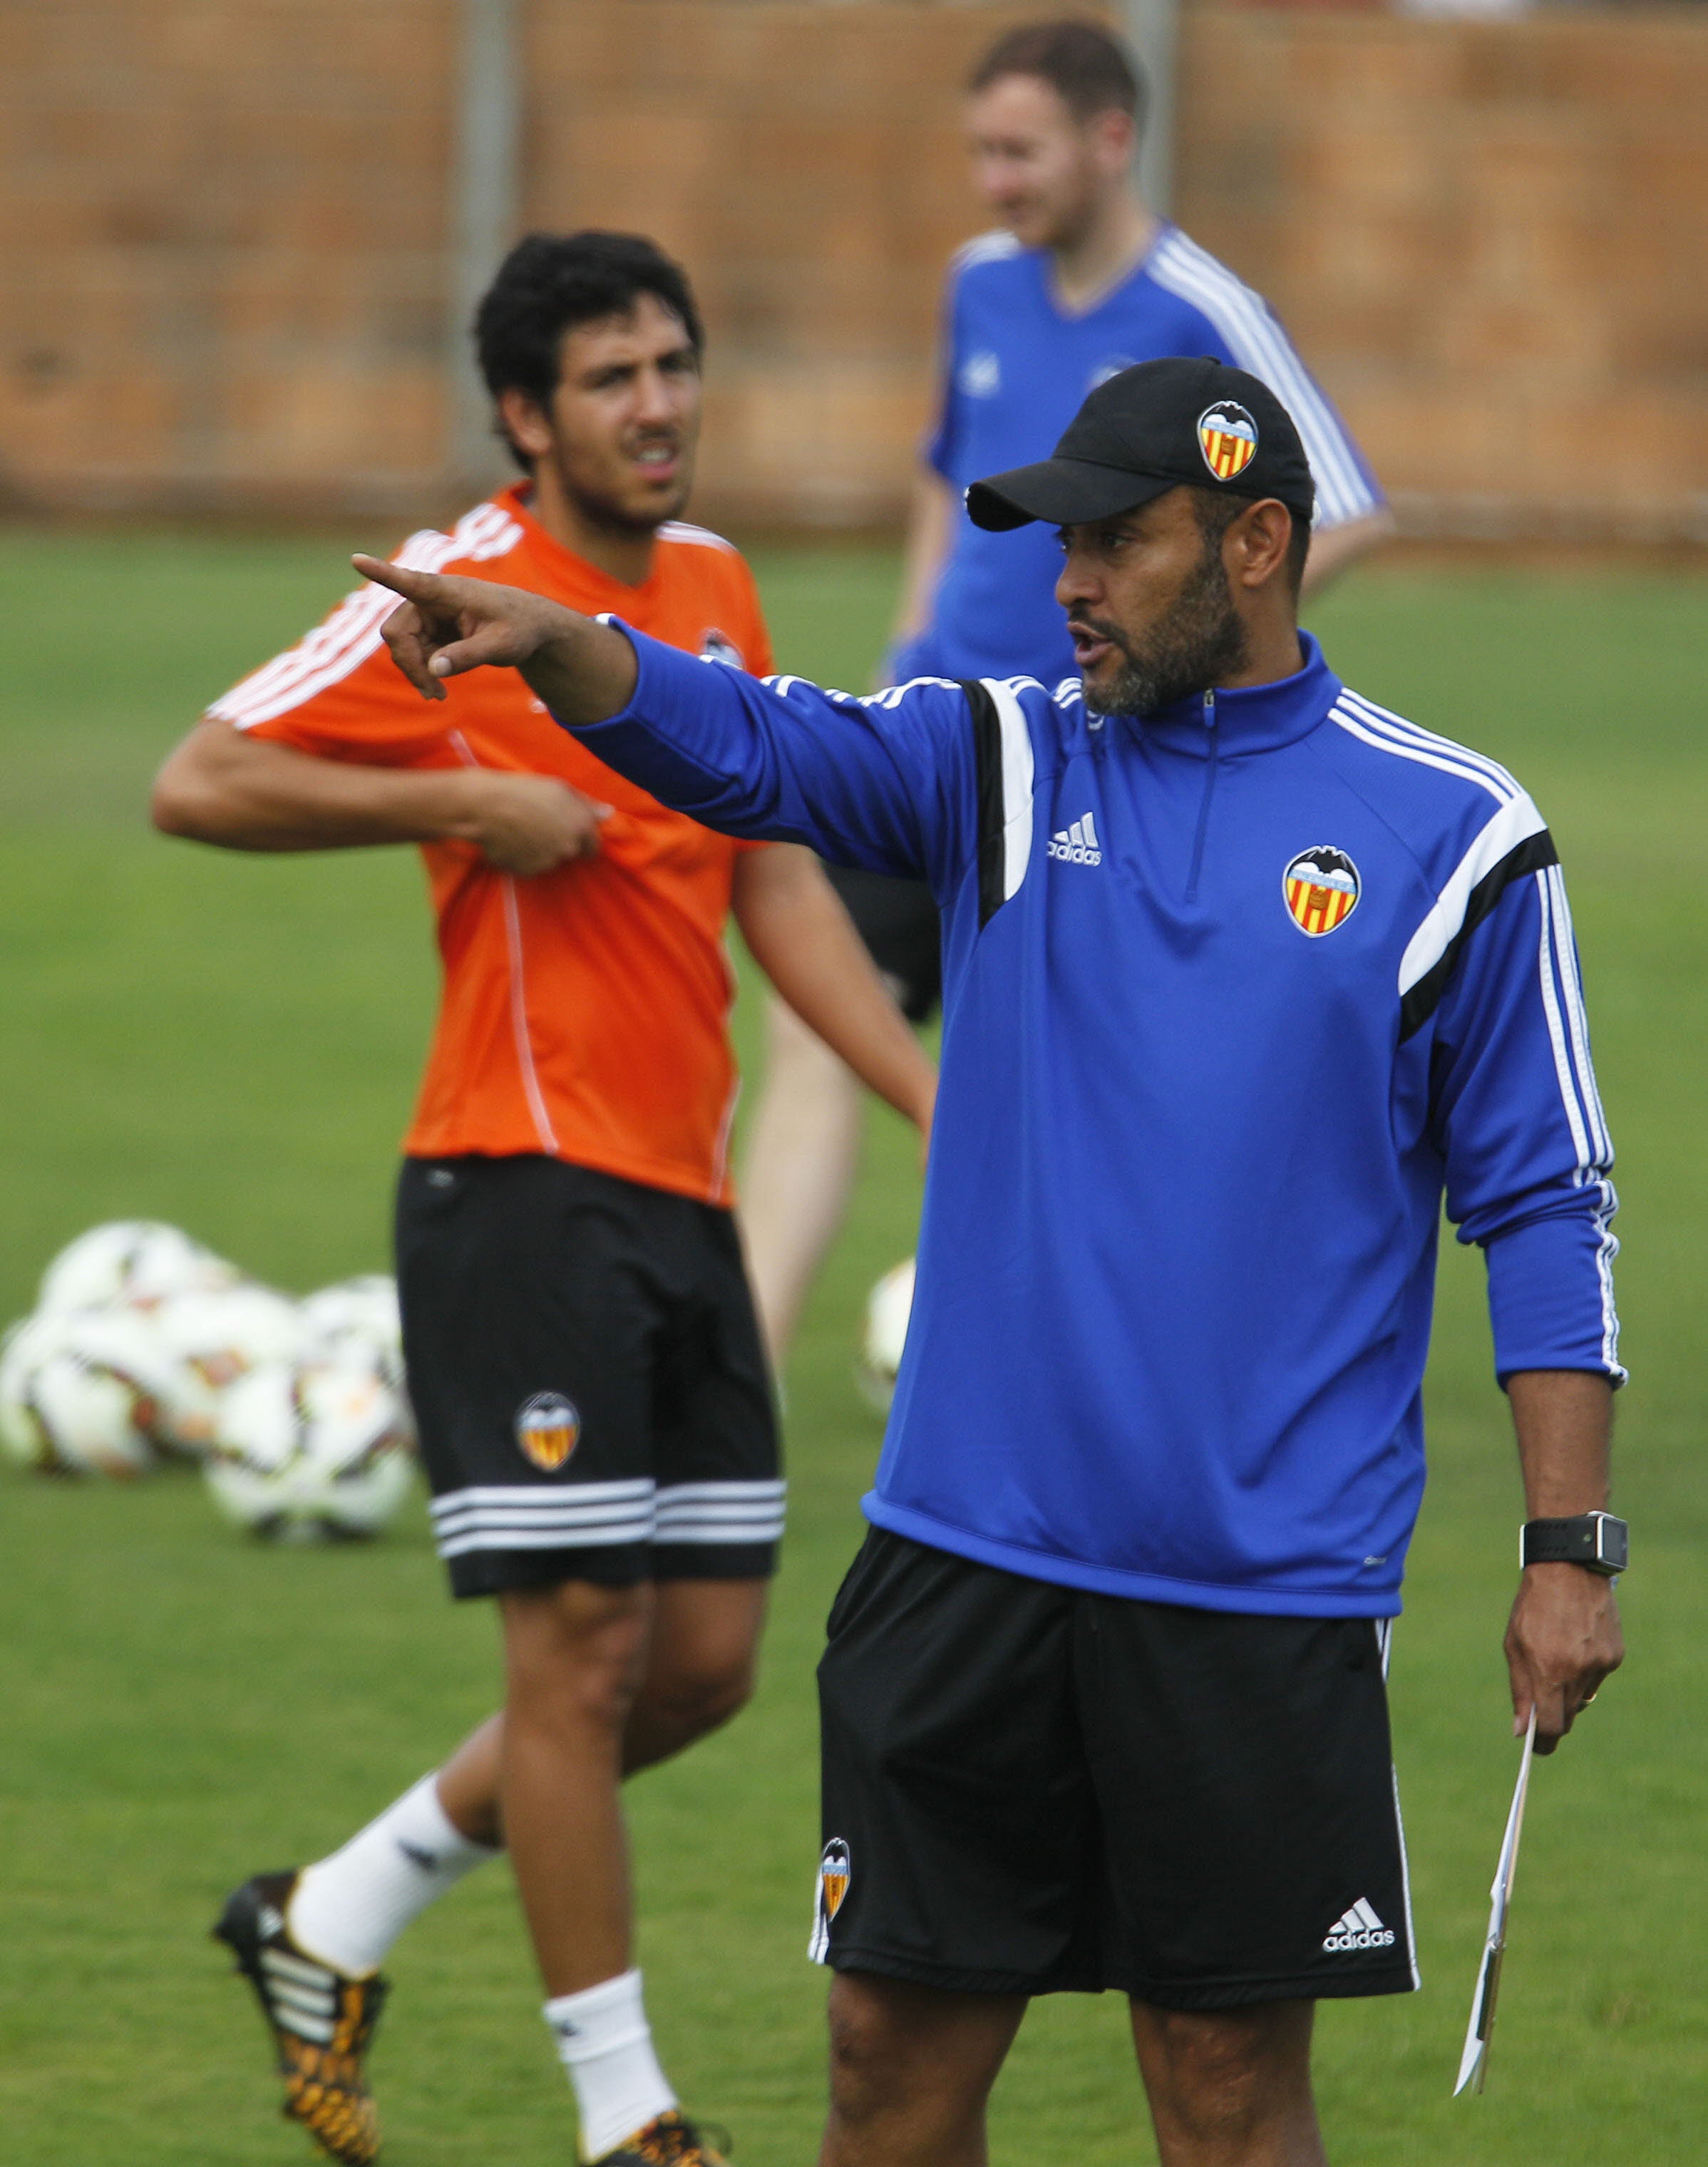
233 1044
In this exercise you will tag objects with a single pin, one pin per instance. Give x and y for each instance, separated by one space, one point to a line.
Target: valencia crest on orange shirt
1227 438
1322 889
836 1871
548 1427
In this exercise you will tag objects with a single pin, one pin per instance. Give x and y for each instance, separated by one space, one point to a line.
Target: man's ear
1261 538
523 422
1113 139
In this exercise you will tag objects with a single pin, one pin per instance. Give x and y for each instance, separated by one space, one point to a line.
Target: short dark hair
551 282
1090 71
1216 511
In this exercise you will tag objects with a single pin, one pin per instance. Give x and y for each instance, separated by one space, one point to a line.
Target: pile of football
144 1348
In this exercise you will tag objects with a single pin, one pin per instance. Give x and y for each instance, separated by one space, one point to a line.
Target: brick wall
223 235
805 162
1489 238
221 230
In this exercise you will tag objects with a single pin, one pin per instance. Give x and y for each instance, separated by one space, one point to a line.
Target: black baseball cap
1149 429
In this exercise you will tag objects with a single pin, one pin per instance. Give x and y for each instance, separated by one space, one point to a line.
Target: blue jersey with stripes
1015 368
1234 995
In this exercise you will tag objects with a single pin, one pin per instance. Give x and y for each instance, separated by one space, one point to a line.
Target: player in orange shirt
592 1401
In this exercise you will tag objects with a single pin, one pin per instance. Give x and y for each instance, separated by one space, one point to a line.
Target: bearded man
1242 974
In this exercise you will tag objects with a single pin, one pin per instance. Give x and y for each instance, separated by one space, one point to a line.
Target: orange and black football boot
321 2020
668 2140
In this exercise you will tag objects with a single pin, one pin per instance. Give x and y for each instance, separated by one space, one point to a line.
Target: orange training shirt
585 1012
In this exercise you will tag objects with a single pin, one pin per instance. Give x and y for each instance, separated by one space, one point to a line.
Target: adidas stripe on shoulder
679 530
352 632
1391 732
990 247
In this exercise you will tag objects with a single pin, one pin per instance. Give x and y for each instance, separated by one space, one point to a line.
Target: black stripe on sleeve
987 767
1528 856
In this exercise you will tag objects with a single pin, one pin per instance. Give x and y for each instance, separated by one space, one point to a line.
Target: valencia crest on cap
1227 438
1322 889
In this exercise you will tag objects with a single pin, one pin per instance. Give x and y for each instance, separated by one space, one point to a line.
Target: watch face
1613 1543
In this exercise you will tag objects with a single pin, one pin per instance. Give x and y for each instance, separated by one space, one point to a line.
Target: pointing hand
447 626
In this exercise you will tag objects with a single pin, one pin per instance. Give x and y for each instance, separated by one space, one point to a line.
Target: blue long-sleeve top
1234 994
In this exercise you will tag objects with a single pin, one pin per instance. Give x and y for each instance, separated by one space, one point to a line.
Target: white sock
606 2044
348 1909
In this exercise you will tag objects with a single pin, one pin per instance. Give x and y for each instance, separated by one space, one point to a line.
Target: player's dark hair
1216 511
1088 71
551 282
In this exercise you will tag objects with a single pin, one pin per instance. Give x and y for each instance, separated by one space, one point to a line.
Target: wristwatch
1598 1540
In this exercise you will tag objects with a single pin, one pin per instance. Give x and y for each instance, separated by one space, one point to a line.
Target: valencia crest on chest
1321 888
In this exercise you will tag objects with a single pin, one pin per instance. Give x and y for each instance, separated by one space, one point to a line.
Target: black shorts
1031 1789
897 921
587 1378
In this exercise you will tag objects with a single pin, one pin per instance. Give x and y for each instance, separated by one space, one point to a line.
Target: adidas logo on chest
1077 845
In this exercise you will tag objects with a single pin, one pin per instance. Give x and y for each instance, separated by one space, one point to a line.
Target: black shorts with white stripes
587 1378
1032 1789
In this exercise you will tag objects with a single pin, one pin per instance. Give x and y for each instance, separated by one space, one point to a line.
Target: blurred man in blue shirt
1081 279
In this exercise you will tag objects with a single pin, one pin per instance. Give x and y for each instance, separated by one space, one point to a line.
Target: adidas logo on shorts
1077 845
1359 1929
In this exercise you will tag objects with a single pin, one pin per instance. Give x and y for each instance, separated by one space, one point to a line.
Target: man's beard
1196 643
611 515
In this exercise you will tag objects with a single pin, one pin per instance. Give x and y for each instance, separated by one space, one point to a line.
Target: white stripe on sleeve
1017 782
1516 819
332 651
1568 1034
1447 758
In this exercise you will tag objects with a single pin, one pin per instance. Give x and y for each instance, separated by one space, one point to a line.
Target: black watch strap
1598 1540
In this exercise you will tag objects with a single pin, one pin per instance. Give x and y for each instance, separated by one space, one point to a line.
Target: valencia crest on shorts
1322 889
1227 438
546 1428
836 1871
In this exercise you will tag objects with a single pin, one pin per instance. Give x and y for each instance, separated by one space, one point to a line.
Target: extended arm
886 782
246 793
1563 1637
804 941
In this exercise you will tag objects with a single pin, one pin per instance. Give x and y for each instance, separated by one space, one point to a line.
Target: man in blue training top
1242 974
1080 279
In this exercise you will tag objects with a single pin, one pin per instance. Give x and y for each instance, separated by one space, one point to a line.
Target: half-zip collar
1246 718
